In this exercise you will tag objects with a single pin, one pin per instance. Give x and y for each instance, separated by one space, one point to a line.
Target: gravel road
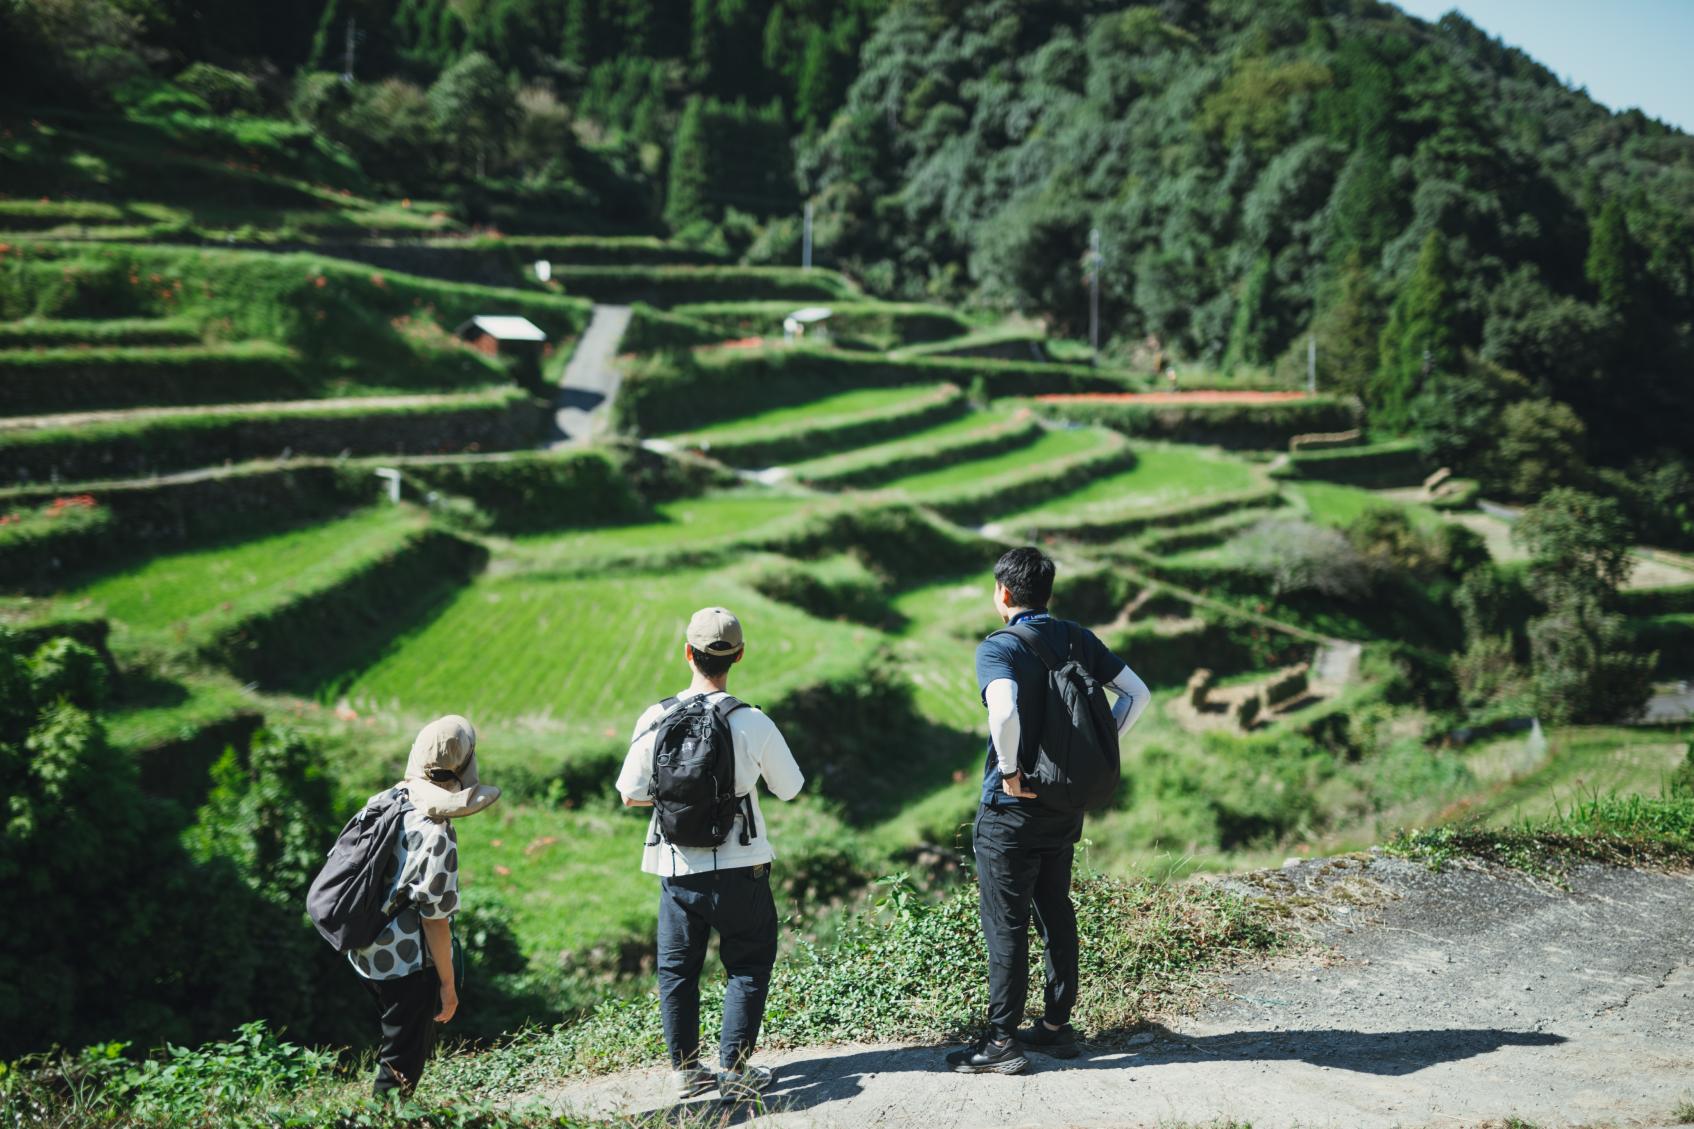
1425 999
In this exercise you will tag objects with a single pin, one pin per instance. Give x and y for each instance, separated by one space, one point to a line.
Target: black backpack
1076 764
694 800
348 900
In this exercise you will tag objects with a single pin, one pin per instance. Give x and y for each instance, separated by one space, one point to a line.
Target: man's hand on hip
1015 787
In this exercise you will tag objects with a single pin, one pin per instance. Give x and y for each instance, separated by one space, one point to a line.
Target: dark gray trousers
738 905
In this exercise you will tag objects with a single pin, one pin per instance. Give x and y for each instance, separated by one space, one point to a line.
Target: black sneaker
985 1056
1040 1037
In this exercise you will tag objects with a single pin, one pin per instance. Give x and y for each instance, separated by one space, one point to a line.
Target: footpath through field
1427 999
591 379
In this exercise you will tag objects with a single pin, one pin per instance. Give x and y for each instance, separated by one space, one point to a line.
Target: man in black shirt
1024 850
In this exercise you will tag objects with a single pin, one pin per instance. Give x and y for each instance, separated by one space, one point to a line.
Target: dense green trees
123 932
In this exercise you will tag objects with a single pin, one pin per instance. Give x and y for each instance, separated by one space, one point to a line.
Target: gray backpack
348 900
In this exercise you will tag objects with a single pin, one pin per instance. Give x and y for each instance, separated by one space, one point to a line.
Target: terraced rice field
1163 474
1052 447
845 407
186 592
693 524
586 656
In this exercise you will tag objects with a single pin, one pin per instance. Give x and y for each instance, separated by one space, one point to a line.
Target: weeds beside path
1429 997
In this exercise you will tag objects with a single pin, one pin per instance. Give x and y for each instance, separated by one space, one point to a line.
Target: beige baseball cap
715 631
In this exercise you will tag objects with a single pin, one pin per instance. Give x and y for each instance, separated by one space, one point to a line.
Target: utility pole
1311 363
347 58
1094 293
806 240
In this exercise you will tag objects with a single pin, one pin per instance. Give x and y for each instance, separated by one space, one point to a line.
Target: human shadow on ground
814 1082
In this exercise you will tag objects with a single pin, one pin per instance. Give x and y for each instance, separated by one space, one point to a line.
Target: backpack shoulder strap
1032 639
665 708
727 705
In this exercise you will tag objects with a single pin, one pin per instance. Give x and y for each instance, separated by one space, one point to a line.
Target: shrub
1297 556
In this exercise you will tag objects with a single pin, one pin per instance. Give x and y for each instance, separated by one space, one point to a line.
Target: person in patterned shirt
409 967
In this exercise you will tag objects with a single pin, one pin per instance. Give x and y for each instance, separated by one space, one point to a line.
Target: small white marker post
392 478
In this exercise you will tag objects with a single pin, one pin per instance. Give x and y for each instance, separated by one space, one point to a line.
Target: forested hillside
279 483
1478 250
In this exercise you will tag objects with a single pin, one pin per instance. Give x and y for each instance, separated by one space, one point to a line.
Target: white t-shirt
760 753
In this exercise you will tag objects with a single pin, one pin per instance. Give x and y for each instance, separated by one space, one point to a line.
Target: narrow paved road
1455 999
591 379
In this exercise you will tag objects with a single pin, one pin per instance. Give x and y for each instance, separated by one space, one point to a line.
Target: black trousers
738 905
1023 860
409 1006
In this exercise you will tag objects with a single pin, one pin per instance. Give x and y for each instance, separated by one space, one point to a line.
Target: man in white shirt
723 887
1024 849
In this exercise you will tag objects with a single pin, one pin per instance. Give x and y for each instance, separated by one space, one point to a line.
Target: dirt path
590 382
1427 1000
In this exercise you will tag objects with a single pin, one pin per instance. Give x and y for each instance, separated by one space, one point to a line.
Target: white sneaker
692 1083
744 1085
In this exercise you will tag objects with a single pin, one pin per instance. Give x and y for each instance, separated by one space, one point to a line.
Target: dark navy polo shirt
1006 656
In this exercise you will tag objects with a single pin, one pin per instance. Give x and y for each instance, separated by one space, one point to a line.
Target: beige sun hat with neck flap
441 772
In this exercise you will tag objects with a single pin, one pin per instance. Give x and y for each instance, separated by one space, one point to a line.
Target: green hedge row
588 250
769 447
675 391
652 330
340 317
311 635
1006 345
1398 462
69 380
152 516
497 420
676 285
1675 600
1239 426
882 324
977 502
533 490
840 587
39 215
884 463
1673 637
1166 657
1106 526
46 333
